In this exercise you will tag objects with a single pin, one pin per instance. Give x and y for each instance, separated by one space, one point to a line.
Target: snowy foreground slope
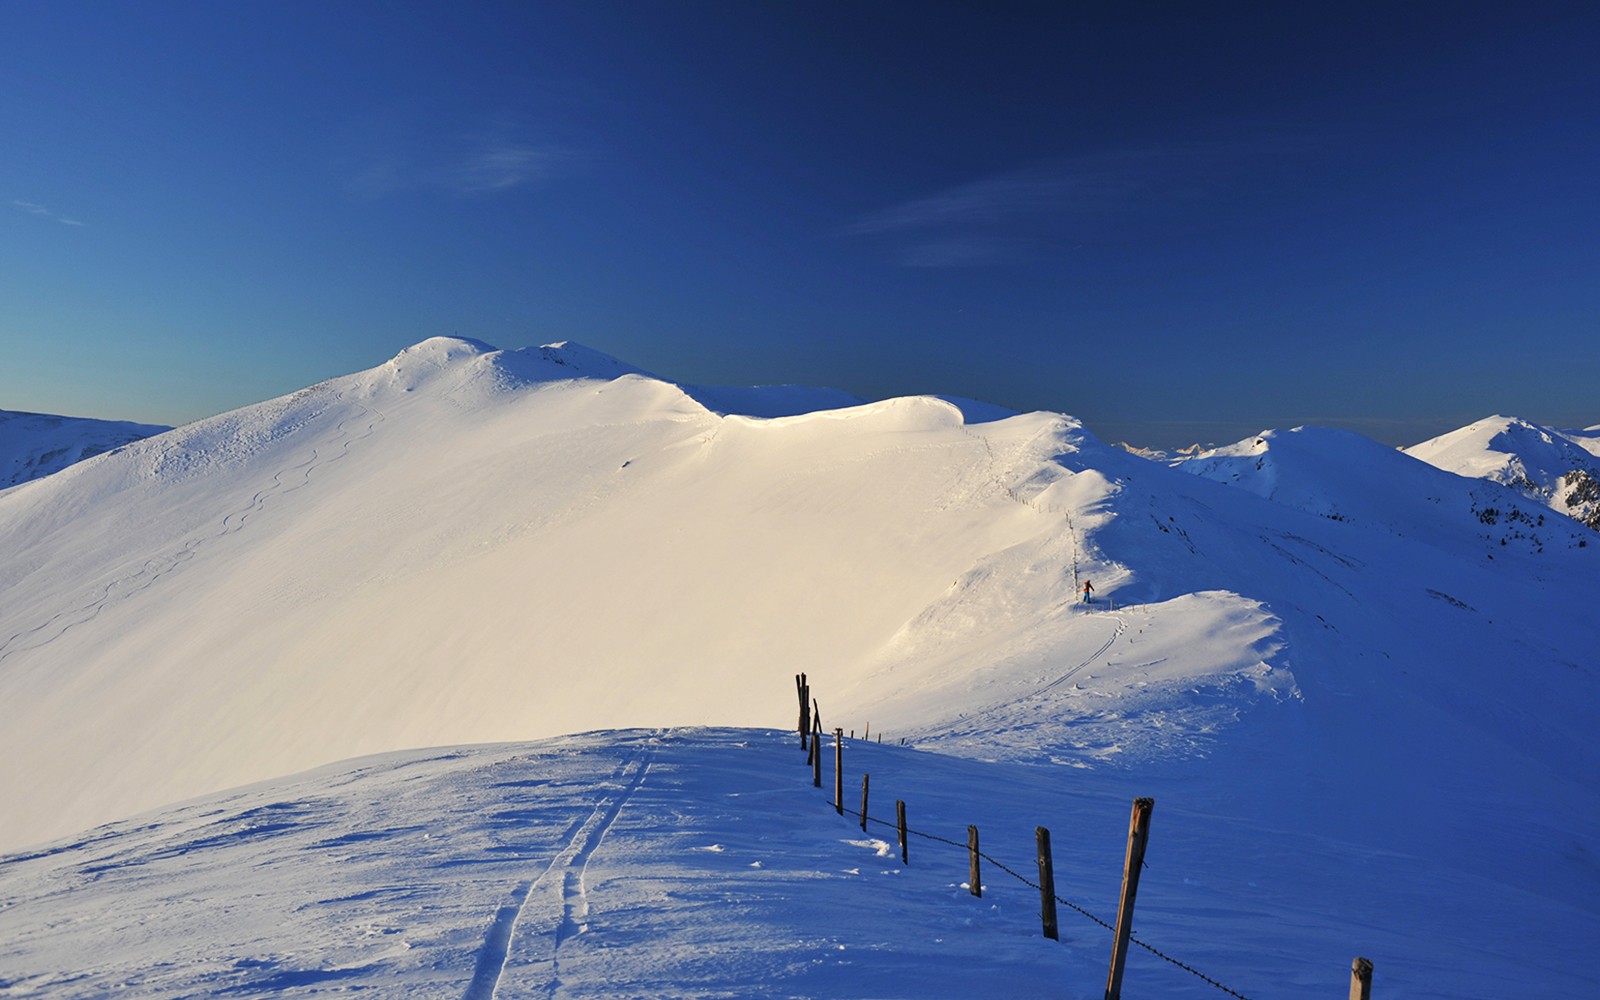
1560 469
1322 655
33 445
701 863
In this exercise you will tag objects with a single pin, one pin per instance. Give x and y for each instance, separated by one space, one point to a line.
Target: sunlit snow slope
464 544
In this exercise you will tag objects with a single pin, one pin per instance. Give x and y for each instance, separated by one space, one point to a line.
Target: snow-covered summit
1557 468
1344 476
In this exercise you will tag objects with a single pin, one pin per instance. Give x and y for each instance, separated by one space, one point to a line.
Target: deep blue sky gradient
1177 221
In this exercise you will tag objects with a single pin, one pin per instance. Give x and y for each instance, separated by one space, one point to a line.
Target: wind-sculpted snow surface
465 544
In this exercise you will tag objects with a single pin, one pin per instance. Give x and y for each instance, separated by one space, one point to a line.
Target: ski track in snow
572 866
156 567
969 719
1116 633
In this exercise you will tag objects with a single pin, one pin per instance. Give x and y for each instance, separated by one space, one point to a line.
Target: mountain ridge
467 546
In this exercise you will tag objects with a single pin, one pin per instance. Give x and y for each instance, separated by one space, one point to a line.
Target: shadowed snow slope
701 863
33 445
465 545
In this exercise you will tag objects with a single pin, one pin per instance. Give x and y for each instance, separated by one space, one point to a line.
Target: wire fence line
1038 888
811 736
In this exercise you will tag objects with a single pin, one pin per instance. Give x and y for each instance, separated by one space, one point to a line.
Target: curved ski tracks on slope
156 567
572 866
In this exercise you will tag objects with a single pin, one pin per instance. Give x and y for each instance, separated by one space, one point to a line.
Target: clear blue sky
1177 221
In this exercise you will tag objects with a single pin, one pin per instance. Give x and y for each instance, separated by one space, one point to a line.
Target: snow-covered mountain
38 444
1558 468
1303 639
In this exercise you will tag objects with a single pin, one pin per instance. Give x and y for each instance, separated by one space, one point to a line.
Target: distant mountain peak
1554 467
35 445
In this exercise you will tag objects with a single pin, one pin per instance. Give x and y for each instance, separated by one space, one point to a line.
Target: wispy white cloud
33 208
1009 216
393 158
494 164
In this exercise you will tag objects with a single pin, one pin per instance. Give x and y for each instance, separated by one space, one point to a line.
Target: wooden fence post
1047 885
864 779
972 861
805 697
1361 979
900 822
816 727
838 771
1138 836
816 756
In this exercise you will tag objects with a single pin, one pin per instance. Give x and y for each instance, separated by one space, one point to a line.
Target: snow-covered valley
1364 708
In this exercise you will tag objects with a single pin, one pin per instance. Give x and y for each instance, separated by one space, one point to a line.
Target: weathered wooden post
804 691
972 861
864 779
1047 885
1138 836
816 725
1361 979
900 823
838 771
816 756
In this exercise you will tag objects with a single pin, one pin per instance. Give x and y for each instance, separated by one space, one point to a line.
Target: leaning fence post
1361 979
900 823
972 861
838 771
864 779
1138 835
1047 885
